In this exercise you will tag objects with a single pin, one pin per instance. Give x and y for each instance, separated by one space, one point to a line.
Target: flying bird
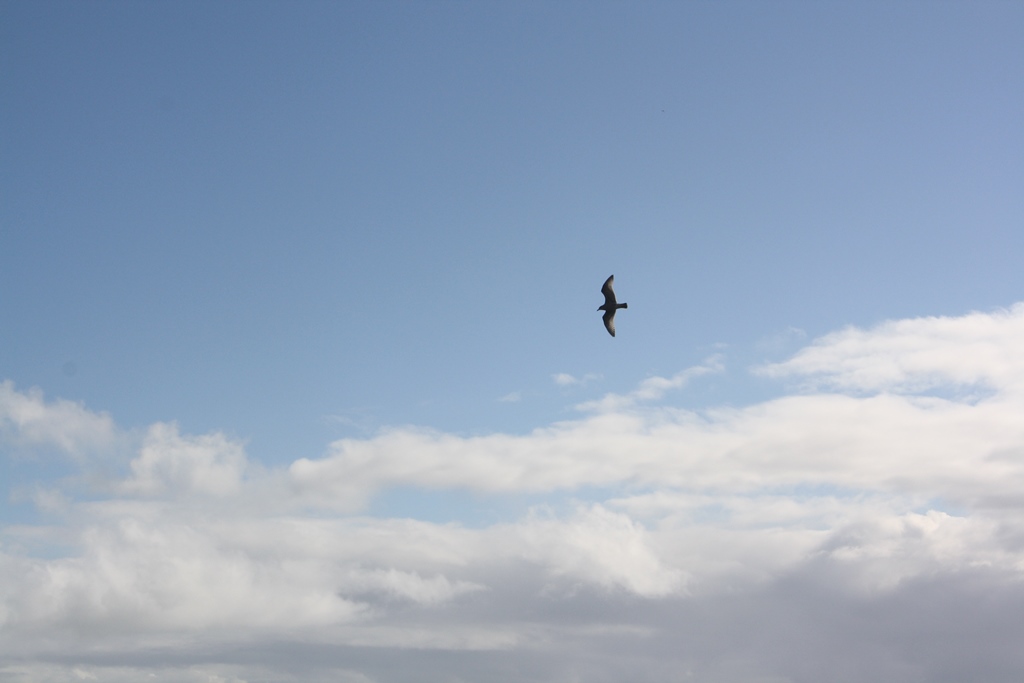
610 305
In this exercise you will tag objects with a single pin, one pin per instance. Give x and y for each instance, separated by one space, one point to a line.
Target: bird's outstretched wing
609 299
609 321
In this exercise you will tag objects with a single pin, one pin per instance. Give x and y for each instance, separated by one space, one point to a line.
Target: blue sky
345 258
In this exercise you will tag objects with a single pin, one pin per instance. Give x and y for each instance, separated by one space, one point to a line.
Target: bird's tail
623 306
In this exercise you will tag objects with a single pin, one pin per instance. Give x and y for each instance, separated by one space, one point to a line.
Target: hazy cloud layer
868 526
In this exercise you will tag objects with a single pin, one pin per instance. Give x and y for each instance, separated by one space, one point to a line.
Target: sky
302 376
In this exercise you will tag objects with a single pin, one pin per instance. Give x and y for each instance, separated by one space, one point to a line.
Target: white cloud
167 461
917 354
900 444
777 541
27 421
599 546
147 574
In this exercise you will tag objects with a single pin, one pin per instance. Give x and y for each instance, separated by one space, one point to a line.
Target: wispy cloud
652 388
564 379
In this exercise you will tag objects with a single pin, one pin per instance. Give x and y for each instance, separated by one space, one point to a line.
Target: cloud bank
868 524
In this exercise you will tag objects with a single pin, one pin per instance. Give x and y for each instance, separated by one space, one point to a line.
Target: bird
610 305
